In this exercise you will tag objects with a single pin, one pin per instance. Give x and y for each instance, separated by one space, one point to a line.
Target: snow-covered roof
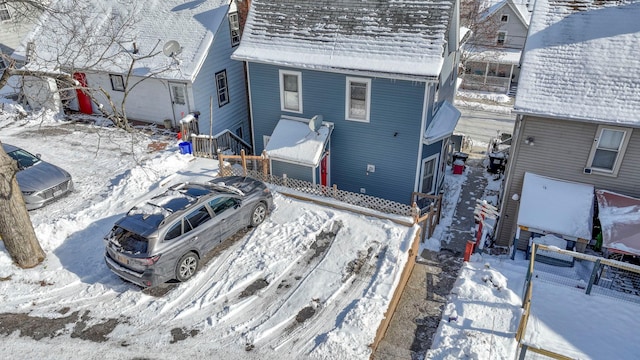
620 220
556 206
519 7
148 26
442 124
293 141
405 37
494 54
581 61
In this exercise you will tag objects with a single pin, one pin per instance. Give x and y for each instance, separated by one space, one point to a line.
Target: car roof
147 217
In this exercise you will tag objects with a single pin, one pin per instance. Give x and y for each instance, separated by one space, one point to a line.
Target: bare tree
483 28
16 230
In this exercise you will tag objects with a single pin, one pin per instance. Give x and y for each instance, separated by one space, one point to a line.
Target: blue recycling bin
185 147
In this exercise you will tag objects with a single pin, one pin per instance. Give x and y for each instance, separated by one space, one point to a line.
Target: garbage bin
497 161
460 156
458 167
185 147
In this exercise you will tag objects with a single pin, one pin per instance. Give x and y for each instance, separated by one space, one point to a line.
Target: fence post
221 164
594 275
244 162
265 164
415 212
432 220
439 208
527 280
335 190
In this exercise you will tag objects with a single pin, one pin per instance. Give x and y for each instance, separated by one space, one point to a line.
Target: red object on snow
468 250
179 135
458 169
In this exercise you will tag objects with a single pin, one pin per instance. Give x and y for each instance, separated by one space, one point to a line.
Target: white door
179 101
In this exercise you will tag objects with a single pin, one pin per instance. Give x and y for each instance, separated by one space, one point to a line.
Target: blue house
357 94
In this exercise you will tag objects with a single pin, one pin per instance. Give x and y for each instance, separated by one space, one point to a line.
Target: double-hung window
502 38
117 82
608 149
222 88
234 27
291 91
358 99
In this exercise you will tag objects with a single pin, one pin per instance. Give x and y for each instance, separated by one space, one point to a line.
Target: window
174 232
436 98
4 12
234 27
428 175
117 82
608 149
358 99
504 18
291 91
177 90
196 218
239 132
223 89
502 38
265 140
219 205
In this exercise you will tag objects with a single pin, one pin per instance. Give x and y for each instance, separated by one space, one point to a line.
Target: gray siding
391 140
561 151
236 112
516 30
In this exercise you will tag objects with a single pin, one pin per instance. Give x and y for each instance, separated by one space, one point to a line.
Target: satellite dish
315 123
171 48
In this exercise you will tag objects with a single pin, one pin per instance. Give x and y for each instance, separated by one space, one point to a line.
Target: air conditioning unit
587 170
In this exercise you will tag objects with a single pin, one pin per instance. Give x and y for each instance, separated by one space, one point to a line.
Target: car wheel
187 266
258 214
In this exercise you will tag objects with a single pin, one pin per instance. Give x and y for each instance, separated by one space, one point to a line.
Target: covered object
553 206
620 220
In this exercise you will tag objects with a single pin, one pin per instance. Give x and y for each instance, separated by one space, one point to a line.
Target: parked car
165 237
40 182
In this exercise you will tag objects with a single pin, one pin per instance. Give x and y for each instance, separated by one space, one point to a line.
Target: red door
84 101
324 169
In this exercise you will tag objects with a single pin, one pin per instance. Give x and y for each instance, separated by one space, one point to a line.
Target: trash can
458 167
497 161
460 156
185 147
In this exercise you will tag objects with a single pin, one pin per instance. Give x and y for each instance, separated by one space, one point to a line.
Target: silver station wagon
165 237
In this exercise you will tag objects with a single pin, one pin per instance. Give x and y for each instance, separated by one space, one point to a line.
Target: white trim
298 74
619 156
436 95
423 126
347 99
252 129
434 181
265 141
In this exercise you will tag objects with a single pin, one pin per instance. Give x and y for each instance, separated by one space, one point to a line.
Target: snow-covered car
165 237
40 182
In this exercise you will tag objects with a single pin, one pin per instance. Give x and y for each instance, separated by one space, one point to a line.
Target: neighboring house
190 72
376 78
578 106
492 54
13 28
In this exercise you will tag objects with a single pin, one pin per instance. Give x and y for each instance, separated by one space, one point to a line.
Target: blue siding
391 140
236 112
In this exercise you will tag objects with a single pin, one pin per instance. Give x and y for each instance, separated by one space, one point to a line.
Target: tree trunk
16 229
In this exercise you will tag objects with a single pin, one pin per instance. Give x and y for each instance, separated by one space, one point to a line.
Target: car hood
41 176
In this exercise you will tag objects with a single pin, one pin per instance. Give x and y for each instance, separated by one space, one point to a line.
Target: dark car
40 182
165 237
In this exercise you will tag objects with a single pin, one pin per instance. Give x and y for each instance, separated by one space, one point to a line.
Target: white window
502 38
291 91
436 98
4 12
608 149
117 82
504 18
358 99
429 166
234 27
222 88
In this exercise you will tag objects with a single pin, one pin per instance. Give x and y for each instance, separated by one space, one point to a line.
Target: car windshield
23 158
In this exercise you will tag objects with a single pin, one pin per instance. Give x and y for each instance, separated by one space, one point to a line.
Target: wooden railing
224 142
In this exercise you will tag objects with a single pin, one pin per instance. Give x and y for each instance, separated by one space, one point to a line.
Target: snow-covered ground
287 289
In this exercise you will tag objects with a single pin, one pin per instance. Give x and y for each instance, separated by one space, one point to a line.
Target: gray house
492 54
182 60
578 107
352 93
13 27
